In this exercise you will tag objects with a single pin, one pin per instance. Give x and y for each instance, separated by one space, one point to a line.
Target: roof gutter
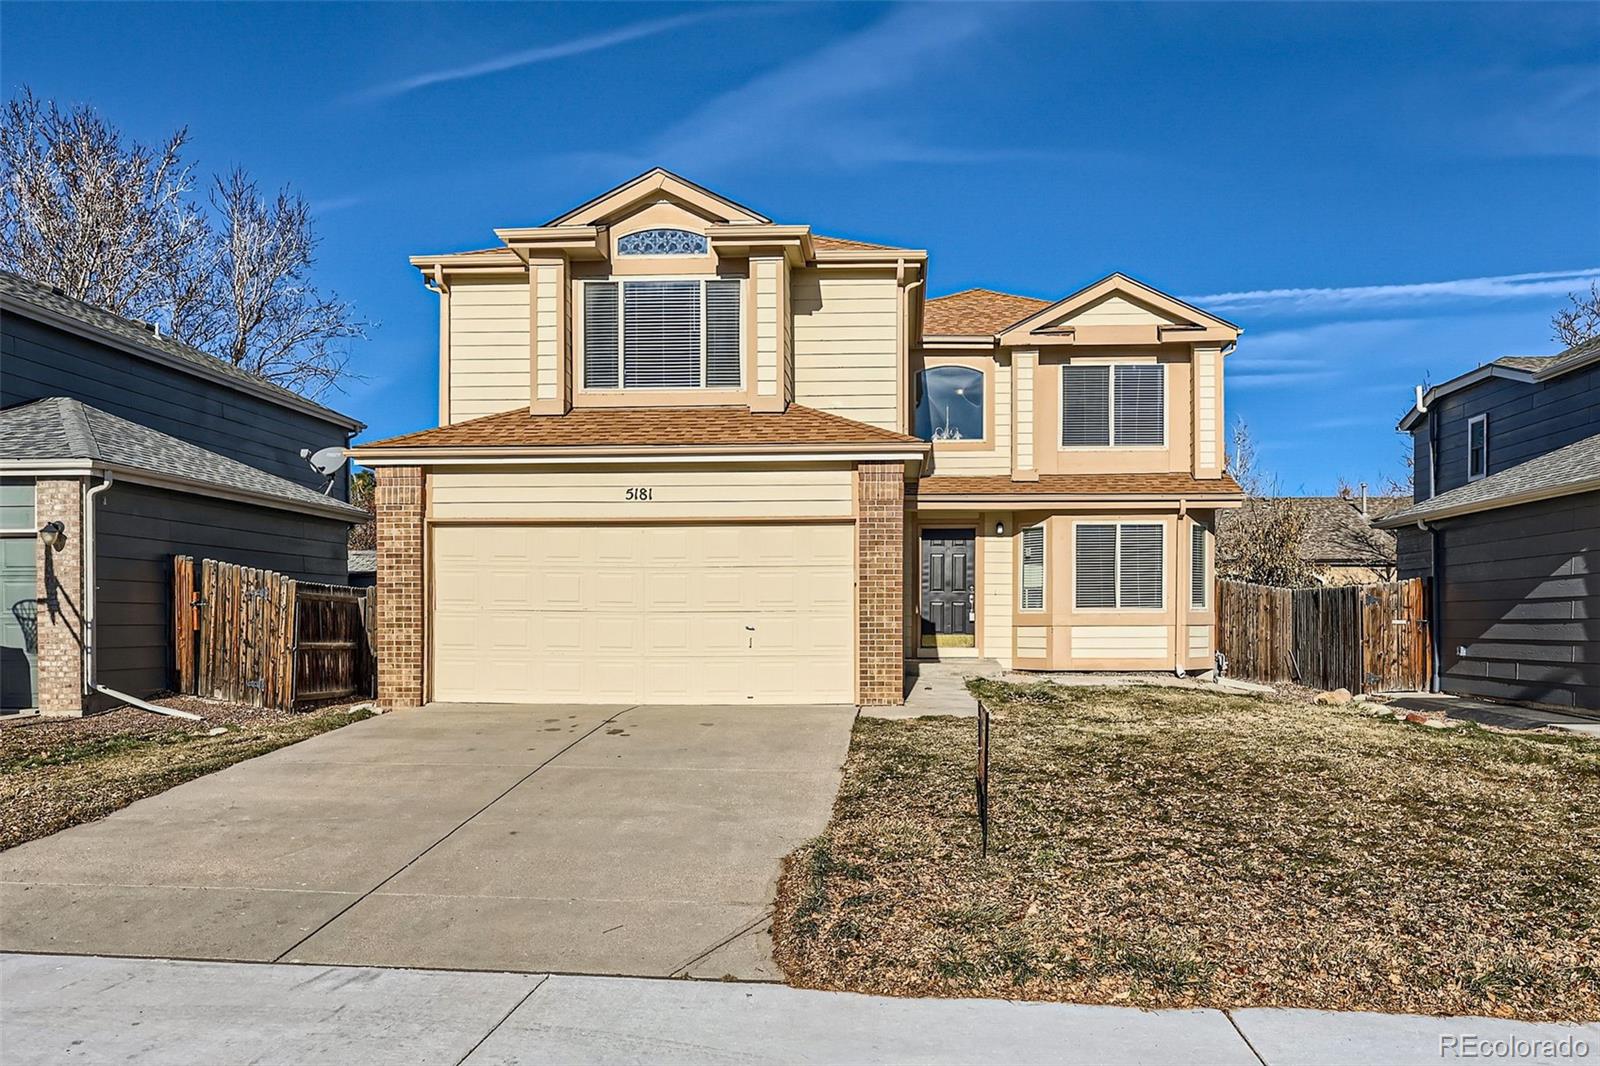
1550 492
134 475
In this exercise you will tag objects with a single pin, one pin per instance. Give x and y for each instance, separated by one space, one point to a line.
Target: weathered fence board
261 638
1360 637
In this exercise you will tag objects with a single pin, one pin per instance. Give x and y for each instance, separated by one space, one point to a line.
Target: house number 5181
642 494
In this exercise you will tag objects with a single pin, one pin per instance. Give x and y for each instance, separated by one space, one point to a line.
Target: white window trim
1475 420
1111 408
1044 569
621 281
983 373
1116 569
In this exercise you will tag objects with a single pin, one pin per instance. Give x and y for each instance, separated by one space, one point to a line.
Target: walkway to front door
948 584
616 840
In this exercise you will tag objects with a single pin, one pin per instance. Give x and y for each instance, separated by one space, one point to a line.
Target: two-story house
688 454
1505 521
120 448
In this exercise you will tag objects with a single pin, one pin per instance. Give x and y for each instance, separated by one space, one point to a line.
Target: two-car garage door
671 613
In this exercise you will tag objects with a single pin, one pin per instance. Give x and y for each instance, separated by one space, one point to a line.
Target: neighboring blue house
120 448
1506 523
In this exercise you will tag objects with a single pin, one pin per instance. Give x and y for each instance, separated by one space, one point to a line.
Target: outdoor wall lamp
999 529
54 535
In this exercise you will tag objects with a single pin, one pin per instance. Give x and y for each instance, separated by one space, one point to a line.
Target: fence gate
264 639
1364 638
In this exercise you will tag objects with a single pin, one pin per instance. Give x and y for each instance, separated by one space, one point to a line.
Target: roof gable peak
649 187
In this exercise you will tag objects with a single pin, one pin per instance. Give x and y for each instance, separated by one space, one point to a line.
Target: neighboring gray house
119 449
1506 522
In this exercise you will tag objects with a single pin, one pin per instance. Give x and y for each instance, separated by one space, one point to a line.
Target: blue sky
1380 194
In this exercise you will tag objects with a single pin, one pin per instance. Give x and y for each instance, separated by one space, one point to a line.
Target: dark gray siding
42 361
1413 553
1521 595
1525 421
140 529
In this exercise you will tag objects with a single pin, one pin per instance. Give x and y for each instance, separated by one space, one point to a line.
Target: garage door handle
751 628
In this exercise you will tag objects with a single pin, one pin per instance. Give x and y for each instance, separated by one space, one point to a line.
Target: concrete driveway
639 840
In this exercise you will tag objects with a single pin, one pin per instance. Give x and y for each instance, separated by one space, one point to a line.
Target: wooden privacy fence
1364 638
257 637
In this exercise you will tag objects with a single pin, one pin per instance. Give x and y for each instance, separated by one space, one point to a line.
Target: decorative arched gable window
662 241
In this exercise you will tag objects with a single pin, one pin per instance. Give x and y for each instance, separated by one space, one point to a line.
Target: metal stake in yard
983 775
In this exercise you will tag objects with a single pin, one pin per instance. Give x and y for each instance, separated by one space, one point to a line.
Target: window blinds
1118 565
661 334
1096 557
1085 406
722 334
1141 405
600 337
1139 566
1198 583
1033 568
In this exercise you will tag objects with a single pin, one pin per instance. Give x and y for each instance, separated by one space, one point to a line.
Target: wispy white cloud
1277 378
527 57
1373 297
840 104
335 203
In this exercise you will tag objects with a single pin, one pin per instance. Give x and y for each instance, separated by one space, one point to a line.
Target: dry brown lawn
1163 848
58 772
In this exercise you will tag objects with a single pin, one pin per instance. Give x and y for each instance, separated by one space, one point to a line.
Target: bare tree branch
1580 322
1261 542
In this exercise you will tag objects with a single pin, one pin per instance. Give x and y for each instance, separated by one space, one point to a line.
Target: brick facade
59 577
402 597
880 584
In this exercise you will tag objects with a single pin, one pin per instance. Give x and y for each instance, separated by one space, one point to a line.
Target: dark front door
948 583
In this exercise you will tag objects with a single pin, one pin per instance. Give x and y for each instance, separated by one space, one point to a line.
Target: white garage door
754 613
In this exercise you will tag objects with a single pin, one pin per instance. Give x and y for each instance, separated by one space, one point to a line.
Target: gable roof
49 432
976 312
1336 532
1563 472
1528 369
1119 282
19 295
833 244
653 180
632 429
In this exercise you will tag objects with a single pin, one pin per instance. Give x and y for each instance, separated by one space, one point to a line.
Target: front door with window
948 587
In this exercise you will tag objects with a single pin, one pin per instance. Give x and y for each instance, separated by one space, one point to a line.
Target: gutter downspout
1180 606
90 613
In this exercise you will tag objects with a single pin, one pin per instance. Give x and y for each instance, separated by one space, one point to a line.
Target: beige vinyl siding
767 274
1199 642
987 461
846 344
547 279
600 492
1119 642
1119 311
489 352
1207 398
1023 416
1032 642
996 583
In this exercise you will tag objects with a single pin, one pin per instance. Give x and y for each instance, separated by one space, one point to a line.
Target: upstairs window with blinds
1118 566
1033 568
662 334
1123 406
1199 580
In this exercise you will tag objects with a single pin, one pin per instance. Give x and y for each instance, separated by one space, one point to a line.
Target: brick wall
402 598
59 577
880 589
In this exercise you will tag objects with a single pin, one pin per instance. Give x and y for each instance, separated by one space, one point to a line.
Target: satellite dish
325 461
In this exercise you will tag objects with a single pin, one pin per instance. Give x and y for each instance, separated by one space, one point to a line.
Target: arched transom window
662 242
950 404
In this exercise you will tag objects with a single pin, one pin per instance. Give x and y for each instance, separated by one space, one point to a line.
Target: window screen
1085 406
661 334
722 334
600 338
1141 405
1139 568
1199 585
1033 568
1095 578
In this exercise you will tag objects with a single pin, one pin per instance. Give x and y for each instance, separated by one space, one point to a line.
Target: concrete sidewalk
57 1008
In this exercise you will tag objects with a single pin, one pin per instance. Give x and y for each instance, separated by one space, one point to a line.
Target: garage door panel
619 614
